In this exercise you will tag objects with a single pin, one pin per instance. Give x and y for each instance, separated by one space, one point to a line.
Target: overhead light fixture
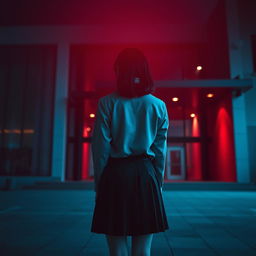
92 115
192 115
198 68
175 99
209 95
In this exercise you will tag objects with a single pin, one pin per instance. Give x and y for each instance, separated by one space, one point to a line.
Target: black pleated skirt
129 200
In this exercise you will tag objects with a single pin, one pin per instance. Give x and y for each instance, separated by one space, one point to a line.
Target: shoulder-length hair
133 74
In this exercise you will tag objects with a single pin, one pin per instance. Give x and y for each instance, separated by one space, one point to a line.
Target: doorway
175 163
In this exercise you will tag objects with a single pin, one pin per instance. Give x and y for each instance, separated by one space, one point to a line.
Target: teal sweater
126 127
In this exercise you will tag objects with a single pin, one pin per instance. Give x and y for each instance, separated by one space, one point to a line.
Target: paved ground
57 222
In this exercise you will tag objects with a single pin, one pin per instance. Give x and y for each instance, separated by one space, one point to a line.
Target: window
27 79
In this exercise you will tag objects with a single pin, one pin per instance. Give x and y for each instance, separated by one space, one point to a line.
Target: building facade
51 77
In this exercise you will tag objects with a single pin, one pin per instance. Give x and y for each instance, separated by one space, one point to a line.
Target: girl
129 144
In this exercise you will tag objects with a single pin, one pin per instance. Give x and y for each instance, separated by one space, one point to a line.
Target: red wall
221 165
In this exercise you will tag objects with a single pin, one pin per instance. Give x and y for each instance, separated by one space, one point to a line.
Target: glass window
27 80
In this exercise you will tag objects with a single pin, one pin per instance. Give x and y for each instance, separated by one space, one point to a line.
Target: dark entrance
77 137
83 93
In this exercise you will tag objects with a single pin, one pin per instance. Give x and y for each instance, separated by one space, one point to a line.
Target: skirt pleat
129 200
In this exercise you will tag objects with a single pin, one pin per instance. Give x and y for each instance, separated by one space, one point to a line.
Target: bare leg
118 245
141 245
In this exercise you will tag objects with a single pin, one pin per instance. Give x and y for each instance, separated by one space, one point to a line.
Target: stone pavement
57 223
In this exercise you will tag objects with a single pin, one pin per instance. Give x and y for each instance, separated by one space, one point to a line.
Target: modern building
57 61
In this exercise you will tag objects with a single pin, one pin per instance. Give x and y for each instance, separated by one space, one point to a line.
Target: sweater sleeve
159 146
101 139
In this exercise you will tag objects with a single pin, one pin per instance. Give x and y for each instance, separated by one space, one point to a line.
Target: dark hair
133 74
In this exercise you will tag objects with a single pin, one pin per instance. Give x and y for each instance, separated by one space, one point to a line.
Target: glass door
81 112
175 167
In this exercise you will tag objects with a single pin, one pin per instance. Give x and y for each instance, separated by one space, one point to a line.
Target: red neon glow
196 151
225 146
194 154
85 156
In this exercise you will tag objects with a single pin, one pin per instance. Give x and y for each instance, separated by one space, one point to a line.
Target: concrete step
185 185
87 185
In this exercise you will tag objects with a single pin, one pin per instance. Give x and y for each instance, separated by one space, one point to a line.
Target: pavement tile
57 223
194 252
187 242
